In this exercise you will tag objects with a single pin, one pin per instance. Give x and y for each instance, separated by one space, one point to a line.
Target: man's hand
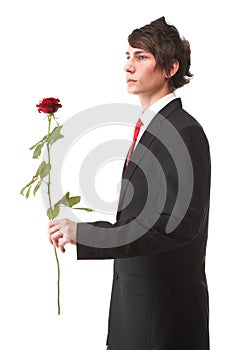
62 232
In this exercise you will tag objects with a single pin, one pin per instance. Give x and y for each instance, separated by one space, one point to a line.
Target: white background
75 51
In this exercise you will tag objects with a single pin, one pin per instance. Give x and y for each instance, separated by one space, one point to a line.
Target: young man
159 295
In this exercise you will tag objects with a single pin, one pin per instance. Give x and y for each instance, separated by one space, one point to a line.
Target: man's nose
129 67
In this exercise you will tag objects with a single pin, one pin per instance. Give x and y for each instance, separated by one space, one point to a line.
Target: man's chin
132 91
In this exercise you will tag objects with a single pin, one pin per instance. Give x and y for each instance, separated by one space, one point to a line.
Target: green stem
50 206
58 281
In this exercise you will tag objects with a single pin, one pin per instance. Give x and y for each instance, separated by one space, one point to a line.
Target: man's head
165 44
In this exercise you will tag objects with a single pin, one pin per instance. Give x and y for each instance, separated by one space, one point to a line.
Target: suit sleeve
153 223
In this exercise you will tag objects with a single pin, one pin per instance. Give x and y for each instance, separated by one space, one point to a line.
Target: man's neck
147 100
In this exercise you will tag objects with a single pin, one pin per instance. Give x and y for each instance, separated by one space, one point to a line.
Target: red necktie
135 136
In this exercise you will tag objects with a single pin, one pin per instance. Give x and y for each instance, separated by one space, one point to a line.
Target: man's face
143 76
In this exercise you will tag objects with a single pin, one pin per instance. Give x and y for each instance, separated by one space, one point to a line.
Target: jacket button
116 276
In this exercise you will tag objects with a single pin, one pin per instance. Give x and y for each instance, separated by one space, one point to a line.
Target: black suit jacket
159 295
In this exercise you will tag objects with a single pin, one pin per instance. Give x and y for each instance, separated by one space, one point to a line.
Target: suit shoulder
185 123
178 116
181 119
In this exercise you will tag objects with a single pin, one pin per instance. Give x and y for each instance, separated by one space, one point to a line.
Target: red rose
49 105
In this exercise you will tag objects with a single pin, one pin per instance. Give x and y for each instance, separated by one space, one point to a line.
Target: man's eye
141 58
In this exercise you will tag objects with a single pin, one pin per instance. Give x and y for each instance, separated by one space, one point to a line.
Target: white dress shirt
147 116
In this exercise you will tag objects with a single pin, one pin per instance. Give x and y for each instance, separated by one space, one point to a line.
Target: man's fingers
50 224
61 232
62 242
55 237
51 232
53 229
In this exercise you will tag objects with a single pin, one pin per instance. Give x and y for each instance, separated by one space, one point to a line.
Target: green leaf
36 188
86 209
28 192
41 168
38 171
44 169
52 213
64 200
55 135
68 201
74 200
56 211
22 190
28 184
37 151
41 141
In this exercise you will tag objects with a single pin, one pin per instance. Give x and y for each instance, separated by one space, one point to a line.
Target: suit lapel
146 140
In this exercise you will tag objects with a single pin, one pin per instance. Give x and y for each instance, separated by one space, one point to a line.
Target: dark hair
164 42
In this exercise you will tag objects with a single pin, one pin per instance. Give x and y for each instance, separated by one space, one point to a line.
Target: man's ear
174 68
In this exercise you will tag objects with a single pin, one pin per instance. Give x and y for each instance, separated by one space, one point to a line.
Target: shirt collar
151 111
